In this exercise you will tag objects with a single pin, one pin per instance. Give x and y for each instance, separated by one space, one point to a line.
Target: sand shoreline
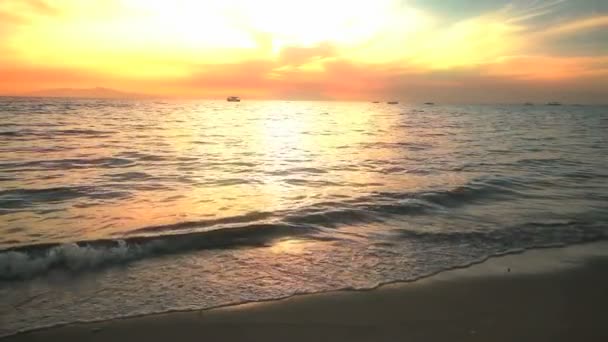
544 294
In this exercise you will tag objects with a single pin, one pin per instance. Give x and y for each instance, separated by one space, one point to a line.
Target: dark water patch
526 235
78 132
411 206
31 198
140 156
129 176
382 205
310 182
13 230
404 170
54 133
312 170
107 194
297 170
187 159
201 142
474 191
232 182
532 162
229 164
332 218
35 149
57 194
9 205
65 164
148 186
584 175
174 198
410 146
467 194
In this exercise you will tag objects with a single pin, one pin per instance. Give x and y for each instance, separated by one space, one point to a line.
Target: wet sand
556 294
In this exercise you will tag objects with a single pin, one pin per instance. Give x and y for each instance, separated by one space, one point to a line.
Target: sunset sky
411 50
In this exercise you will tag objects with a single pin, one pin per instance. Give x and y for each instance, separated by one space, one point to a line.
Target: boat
554 104
376 102
429 103
233 99
393 102
528 104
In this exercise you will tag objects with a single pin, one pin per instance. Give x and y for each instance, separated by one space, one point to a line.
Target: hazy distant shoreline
101 93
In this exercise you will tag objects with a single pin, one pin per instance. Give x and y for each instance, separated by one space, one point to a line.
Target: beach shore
558 294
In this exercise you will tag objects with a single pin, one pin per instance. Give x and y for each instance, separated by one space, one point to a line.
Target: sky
410 50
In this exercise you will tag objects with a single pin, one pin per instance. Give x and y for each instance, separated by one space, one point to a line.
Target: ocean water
119 208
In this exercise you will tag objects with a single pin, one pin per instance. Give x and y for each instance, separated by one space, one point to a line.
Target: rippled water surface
193 204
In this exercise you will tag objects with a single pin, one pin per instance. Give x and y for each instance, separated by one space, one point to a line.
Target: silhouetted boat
393 102
429 103
528 104
233 99
376 102
554 104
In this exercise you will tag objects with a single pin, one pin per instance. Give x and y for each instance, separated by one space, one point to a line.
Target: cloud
514 79
548 67
342 50
22 11
294 55
41 7
575 26
476 86
533 10
7 18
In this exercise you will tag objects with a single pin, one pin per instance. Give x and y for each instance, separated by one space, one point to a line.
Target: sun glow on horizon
272 46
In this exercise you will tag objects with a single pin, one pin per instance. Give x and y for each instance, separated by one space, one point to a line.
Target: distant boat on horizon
233 99
393 102
528 104
554 104
376 102
429 103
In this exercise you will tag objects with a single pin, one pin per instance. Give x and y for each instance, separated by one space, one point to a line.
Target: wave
312 222
498 188
245 218
34 260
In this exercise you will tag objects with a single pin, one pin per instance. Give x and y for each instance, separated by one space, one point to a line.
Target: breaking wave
30 261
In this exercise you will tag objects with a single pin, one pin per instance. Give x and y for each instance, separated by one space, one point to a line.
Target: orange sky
450 51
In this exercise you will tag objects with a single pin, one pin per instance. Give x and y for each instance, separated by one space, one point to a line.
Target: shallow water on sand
118 208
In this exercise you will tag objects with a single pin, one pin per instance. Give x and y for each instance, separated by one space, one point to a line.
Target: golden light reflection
264 156
289 246
213 160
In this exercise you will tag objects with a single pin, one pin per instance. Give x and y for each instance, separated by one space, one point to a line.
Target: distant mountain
97 93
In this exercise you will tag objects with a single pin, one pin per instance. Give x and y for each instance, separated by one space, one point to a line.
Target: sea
119 208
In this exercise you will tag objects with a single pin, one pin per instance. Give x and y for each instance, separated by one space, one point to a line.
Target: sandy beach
542 295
